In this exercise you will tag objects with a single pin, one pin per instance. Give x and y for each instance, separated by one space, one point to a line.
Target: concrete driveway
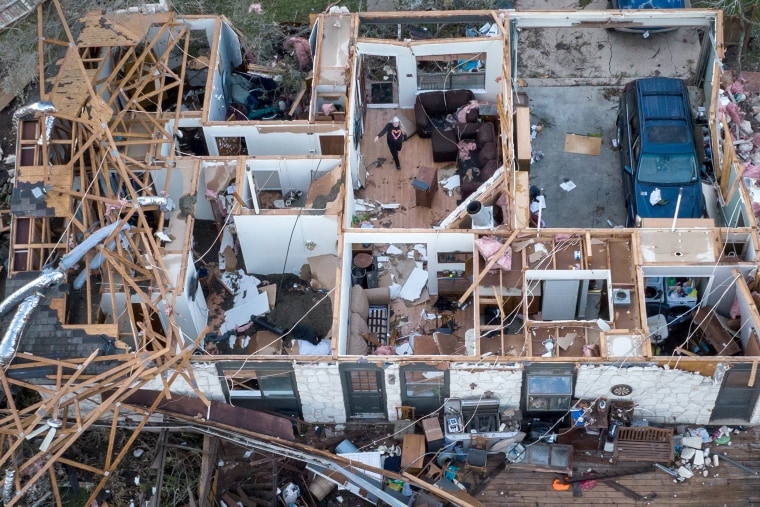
573 78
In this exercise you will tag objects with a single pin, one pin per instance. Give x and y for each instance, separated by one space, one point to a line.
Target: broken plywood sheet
681 246
250 304
218 178
583 145
412 289
324 192
323 269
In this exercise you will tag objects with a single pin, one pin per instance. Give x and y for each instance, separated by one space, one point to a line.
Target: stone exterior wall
321 393
206 376
473 380
392 390
661 395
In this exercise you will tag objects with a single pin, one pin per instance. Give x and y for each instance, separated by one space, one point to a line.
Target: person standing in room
395 135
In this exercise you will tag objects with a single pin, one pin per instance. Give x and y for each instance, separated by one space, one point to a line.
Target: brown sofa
431 108
482 162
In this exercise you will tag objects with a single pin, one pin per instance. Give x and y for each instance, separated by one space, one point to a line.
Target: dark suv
655 133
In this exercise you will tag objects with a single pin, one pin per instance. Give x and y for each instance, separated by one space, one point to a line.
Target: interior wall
407 64
720 290
434 241
268 237
295 174
750 326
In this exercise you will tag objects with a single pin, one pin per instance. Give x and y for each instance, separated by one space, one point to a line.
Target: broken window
447 72
424 387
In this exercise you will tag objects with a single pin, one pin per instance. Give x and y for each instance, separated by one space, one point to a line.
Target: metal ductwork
34 109
44 281
16 327
165 203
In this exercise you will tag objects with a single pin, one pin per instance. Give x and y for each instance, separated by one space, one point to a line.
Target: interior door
736 399
364 392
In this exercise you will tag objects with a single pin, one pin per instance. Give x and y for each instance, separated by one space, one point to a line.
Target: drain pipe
16 328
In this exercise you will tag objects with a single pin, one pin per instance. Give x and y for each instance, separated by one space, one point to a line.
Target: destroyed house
183 227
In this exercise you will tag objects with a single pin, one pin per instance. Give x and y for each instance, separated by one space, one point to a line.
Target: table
425 185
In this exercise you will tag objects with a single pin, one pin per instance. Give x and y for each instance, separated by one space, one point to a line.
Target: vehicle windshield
675 169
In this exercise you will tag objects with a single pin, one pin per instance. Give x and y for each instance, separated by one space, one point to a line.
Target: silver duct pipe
45 280
70 259
94 264
30 294
16 327
9 486
36 108
165 203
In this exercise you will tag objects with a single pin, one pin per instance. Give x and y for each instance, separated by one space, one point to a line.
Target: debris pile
739 99
698 452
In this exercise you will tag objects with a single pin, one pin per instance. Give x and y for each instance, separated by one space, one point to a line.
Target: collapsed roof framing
100 123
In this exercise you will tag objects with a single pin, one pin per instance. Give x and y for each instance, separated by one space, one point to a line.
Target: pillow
359 303
357 345
487 153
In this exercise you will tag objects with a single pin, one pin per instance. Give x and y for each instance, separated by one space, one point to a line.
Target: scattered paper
451 183
567 185
655 197
565 342
412 289
393 250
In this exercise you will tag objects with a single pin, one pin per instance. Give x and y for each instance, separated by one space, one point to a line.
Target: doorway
381 79
736 399
363 390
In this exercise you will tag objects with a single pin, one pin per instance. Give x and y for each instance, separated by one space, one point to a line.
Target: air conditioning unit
621 297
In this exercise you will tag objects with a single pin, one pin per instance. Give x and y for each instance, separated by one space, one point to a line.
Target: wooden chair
477 455
405 413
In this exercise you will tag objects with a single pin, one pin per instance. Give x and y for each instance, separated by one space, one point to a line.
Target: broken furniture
594 413
431 426
714 332
541 457
405 413
425 184
413 453
368 319
477 454
481 163
431 109
644 443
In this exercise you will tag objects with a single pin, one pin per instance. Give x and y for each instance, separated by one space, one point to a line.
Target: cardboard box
432 429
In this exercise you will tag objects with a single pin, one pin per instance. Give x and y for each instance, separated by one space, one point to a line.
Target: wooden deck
726 485
386 185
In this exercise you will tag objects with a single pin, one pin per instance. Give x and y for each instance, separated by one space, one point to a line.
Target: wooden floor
386 185
726 485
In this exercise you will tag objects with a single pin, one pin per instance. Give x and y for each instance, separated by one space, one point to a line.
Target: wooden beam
753 374
208 465
488 266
